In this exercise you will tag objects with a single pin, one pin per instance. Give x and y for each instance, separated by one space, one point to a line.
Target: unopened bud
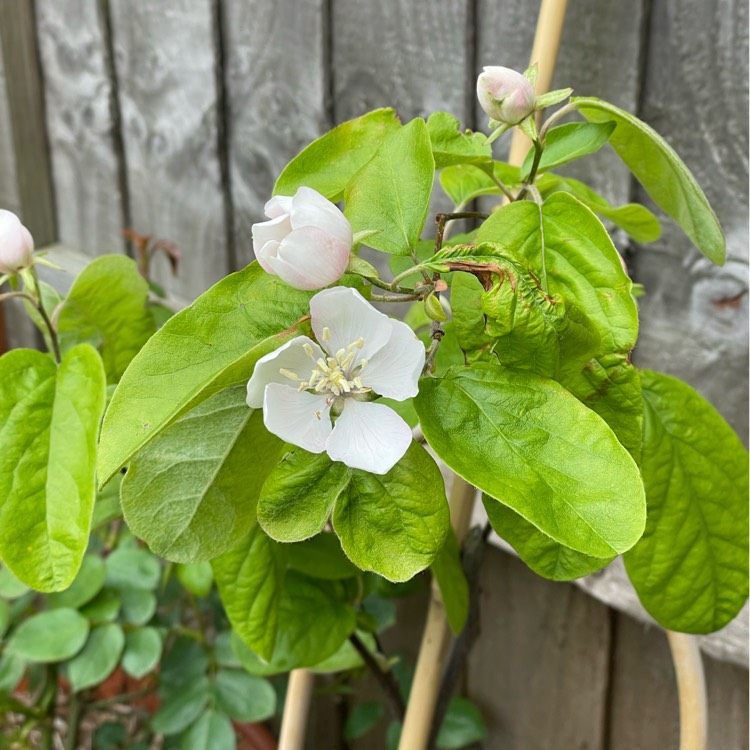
505 95
16 244
433 309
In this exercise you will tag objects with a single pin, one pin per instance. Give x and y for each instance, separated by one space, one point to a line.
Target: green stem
388 286
47 322
73 719
504 189
553 118
400 298
538 151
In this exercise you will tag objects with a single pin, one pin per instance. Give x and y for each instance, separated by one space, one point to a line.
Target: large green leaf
98 658
330 162
454 588
106 307
635 219
452 146
194 348
662 173
391 193
568 142
463 183
468 316
49 421
250 578
394 524
541 553
321 557
50 636
509 433
299 493
189 493
690 569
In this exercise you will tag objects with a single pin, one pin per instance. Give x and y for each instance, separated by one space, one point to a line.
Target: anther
289 374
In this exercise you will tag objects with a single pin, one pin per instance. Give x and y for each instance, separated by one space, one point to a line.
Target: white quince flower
505 95
16 244
301 386
307 241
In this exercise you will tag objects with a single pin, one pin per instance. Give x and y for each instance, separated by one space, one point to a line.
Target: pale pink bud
16 244
307 241
505 94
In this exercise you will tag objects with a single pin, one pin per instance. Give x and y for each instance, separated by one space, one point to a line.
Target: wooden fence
173 118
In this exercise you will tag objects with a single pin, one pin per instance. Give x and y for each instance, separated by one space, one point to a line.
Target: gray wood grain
23 87
78 99
539 669
695 315
165 61
9 198
277 90
599 56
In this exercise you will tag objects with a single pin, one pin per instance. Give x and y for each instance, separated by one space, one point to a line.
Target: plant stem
384 679
400 298
73 718
504 189
555 116
124 698
388 286
442 219
538 151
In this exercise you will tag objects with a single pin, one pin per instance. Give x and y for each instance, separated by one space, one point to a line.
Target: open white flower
302 387
306 241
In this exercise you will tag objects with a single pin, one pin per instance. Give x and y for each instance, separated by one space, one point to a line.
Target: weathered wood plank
23 88
277 89
79 111
599 56
695 315
166 69
540 667
9 198
644 710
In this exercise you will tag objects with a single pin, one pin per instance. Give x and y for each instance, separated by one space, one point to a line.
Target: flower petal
348 316
291 356
278 206
298 417
311 258
266 238
394 371
368 436
310 208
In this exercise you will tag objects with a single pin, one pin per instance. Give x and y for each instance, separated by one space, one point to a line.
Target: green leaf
49 421
50 636
509 433
468 316
299 493
197 578
464 183
394 524
244 697
635 219
250 578
224 326
87 584
143 648
10 586
690 569
329 163
50 298
138 605
362 718
179 711
106 307
321 557
454 588
461 726
12 669
133 568
542 554
104 607
188 493
346 657
662 173
5 616
392 191
568 142
452 146
212 731
185 662
98 658
580 260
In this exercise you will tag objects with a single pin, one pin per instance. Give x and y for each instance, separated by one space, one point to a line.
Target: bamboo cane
432 652
691 688
296 710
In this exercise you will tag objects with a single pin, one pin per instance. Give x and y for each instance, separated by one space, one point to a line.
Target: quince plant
271 421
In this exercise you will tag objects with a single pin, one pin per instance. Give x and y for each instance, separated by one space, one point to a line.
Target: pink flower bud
505 95
16 244
307 241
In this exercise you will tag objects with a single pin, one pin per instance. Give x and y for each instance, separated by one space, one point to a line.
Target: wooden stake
432 652
296 710
691 688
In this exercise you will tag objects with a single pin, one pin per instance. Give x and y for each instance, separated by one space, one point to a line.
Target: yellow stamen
289 374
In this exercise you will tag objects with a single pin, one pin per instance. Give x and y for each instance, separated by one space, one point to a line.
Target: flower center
338 375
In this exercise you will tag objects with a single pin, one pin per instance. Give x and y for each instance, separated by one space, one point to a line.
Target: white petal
311 209
316 259
291 356
348 316
266 255
278 206
266 231
298 417
368 436
394 371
